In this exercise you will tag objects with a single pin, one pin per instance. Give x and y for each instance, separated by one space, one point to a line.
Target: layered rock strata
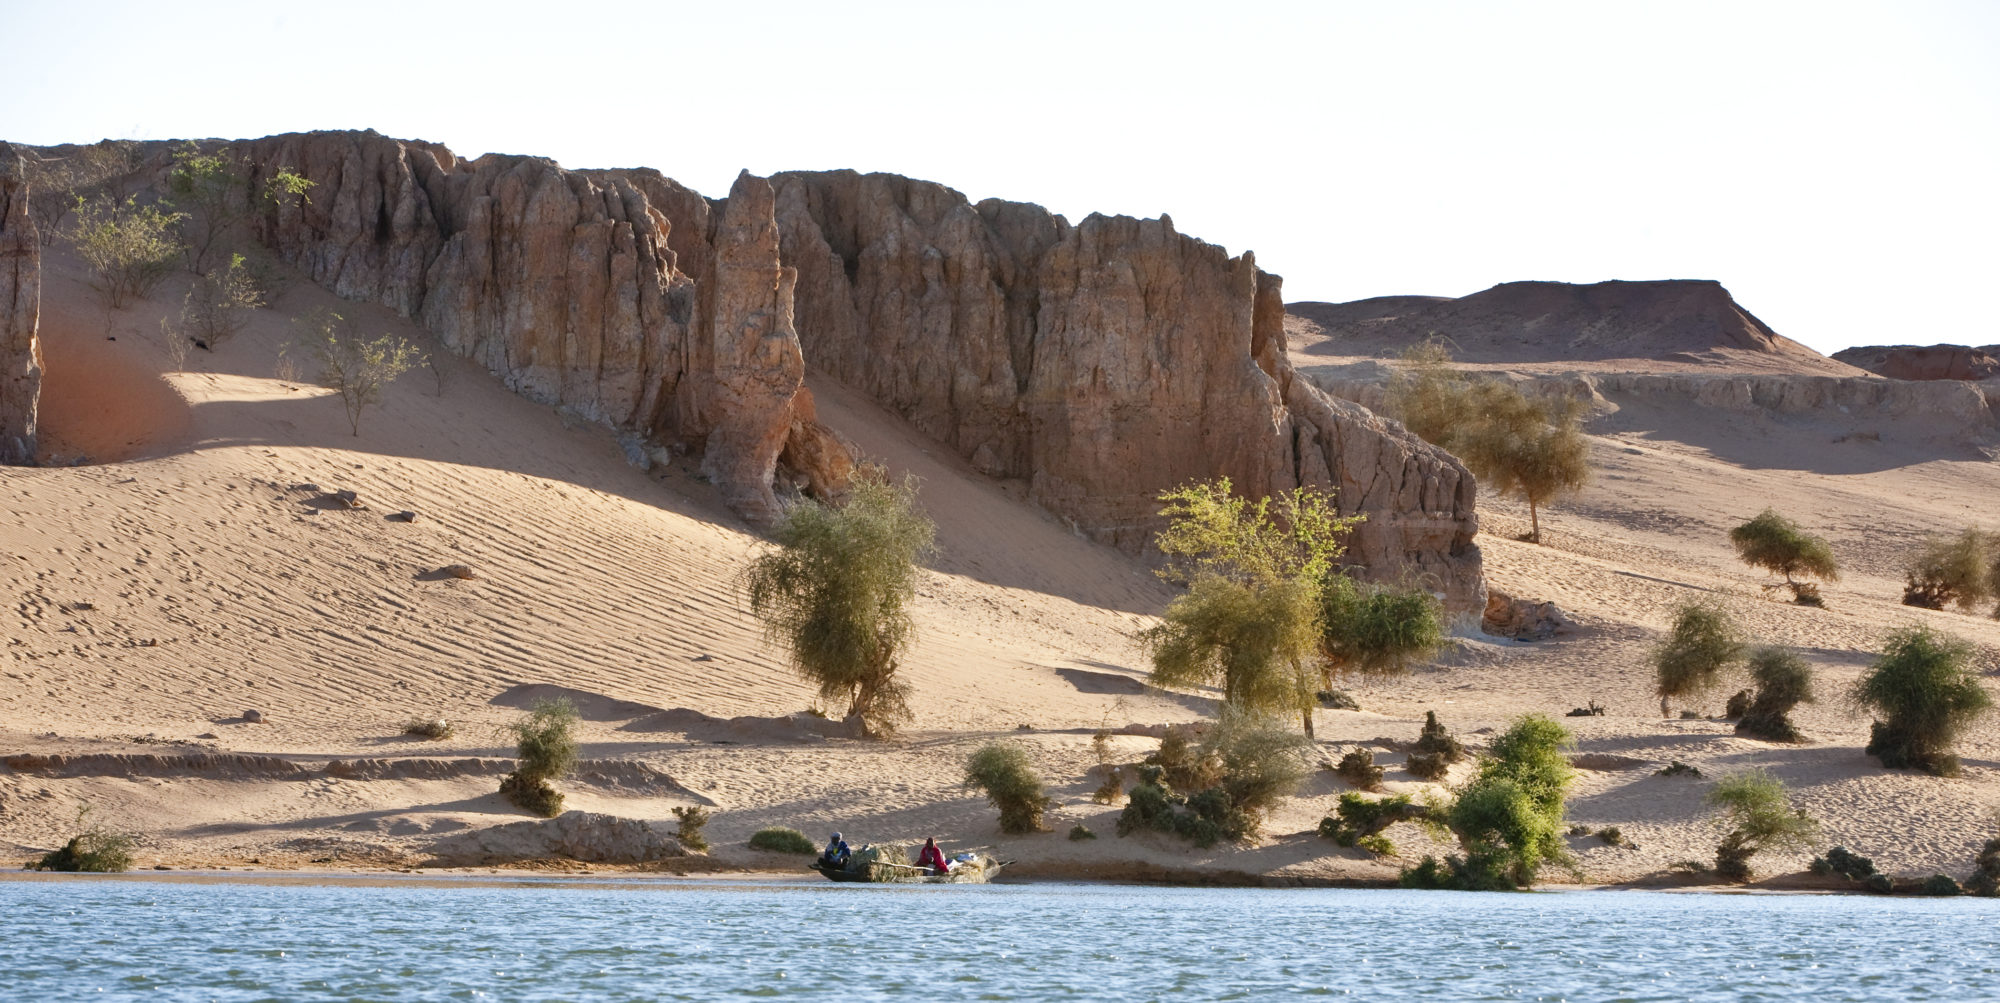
1923 362
20 311
1099 363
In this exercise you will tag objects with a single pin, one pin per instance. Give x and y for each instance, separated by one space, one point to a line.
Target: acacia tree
1703 641
218 304
1784 681
1250 619
1924 687
129 247
1777 544
1532 449
215 191
1760 817
837 591
354 368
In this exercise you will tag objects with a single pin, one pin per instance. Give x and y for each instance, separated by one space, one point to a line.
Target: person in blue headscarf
836 852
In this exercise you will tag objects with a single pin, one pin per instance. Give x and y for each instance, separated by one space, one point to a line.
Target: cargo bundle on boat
890 865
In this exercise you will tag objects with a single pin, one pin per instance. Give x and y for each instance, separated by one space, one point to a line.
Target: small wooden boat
977 870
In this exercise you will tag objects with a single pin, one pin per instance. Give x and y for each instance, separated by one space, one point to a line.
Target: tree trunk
1663 707
1307 715
1534 521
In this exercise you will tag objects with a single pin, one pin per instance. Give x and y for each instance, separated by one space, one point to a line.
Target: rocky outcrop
1931 362
1100 364
1681 319
20 311
574 835
619 296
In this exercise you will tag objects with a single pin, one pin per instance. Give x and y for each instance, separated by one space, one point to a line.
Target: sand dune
184 576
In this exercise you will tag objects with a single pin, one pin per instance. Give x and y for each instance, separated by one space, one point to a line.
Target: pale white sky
1834 164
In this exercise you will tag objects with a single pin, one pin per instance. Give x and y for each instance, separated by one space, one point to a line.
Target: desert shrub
1257 763
1262 762
128 247
1842 861
1760 817
1509 818
779 839
1112 788
1593 710
1184 766
433 728
837 593
1985 879
689 822
1676 768
1924 688
1947 570
1337 700
1435 751
1613 836
218 304
354 368
1377 629
215 189
93 849
1777 544
1738 704
1359 770
1250 620
1360 821
546 745
1703 641
1784 681
1080 832
1940 885
1011 784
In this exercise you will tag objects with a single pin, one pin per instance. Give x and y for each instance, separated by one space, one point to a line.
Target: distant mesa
1689 320
1925 362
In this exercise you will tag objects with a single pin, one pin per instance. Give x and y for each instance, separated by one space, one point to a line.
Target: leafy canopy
1926 693
1777 544
1508 818
836 593
1704 640
1760 817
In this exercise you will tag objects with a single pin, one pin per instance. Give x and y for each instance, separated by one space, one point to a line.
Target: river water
580 939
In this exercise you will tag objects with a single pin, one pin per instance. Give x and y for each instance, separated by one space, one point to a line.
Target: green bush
1613 836
1079 832
1703 641
1941 885
545 743
1677 768
1738 705
1377 629
129 248
1777 544
1360 821
1011 784
691 820
1924 687
1784 681
1842 861
1880 883
1508 819
1112 788
778 839
92 849
1761 818
1257 763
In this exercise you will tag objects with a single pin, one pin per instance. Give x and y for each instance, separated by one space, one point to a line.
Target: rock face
576 835
1523 619
20 312
1932 362
1688 320
617 295
1101 364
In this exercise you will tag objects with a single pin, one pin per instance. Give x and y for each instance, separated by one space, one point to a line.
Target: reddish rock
20 311
1931 362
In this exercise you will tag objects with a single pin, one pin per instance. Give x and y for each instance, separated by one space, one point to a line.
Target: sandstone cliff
20 307
1099 363
1522 322
1930 362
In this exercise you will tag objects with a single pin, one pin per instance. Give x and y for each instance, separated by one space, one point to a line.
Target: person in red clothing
933 858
